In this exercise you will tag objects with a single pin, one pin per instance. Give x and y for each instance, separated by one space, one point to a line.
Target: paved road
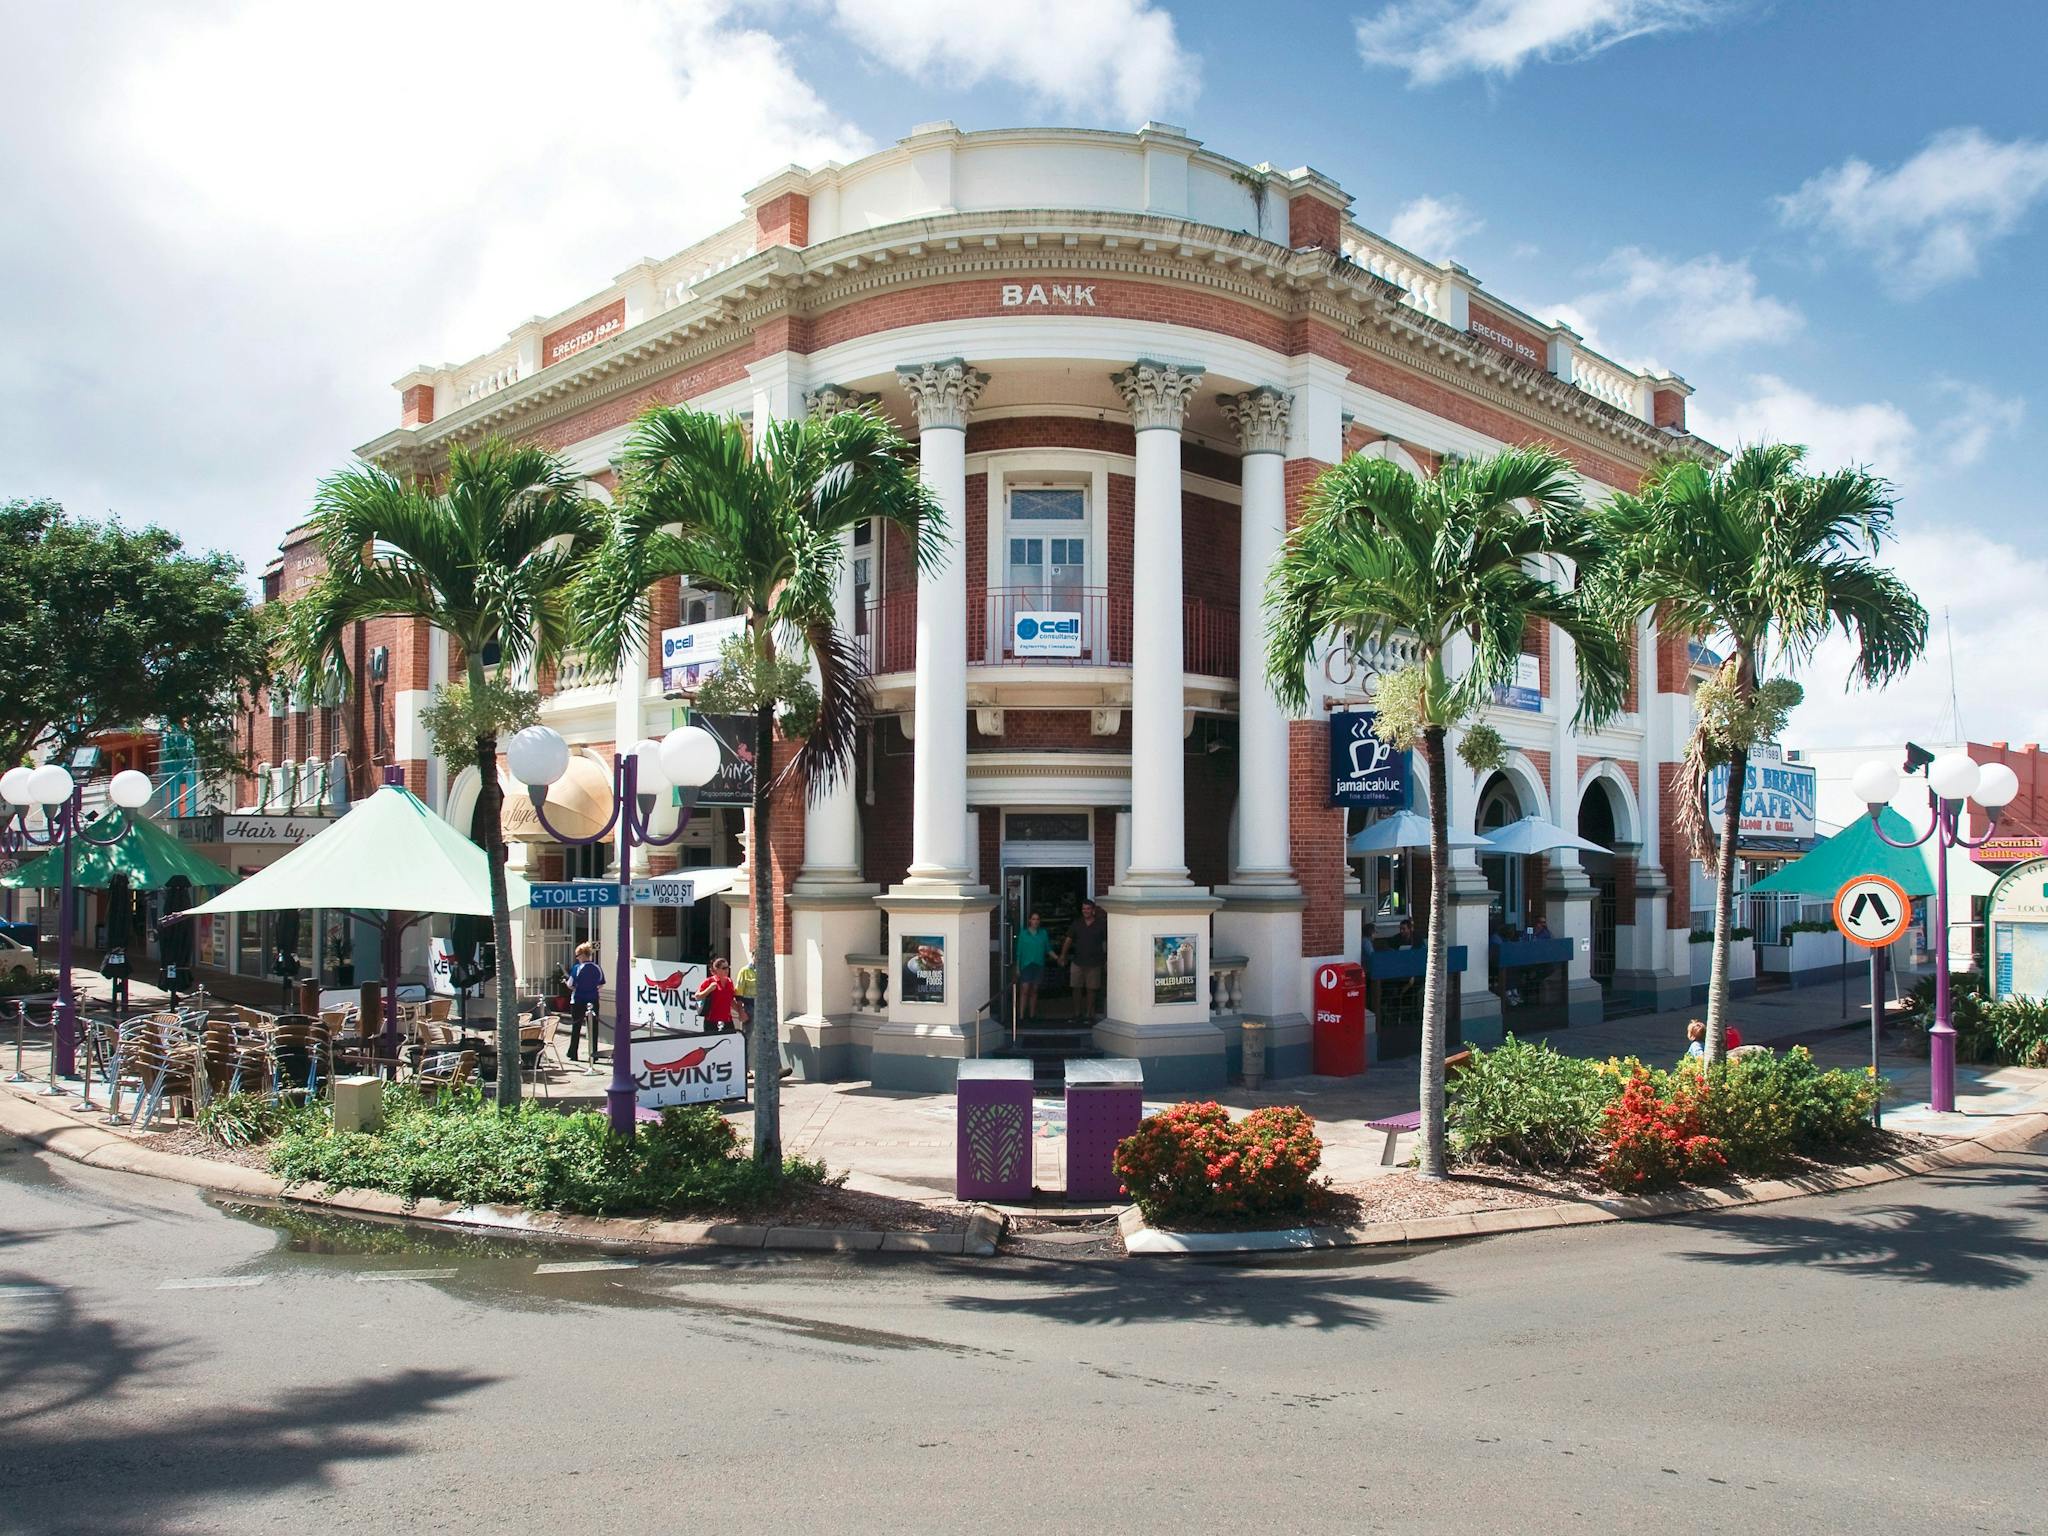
1860 1363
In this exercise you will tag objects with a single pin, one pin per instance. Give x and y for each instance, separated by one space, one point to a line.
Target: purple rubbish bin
1105 1102
992 1132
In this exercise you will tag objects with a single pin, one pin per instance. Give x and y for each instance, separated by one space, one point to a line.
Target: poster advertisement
924 968
1363 769
441 969
1526 692
665 994
734 782
1173 967
689 654
701 1070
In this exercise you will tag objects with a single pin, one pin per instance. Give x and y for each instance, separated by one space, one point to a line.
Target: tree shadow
68 1467
1917 1244
1221 1294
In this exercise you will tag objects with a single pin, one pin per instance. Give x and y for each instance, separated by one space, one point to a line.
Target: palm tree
1772 559
1449 562
486 555
761 516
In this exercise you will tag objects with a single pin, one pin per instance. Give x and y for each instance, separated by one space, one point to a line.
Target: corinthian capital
828 400
1157 393
943 392
1260 416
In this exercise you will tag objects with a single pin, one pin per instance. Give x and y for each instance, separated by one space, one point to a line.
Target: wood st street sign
1872 910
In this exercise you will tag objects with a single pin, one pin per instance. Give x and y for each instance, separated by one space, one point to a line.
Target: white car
16 958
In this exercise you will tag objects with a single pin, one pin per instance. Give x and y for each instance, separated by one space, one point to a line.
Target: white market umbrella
1532 834
1400 831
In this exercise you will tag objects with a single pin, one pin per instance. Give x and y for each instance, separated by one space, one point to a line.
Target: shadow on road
66 1469
1919 1244
1267 1298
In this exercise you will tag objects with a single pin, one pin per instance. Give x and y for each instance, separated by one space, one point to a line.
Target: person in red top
715 994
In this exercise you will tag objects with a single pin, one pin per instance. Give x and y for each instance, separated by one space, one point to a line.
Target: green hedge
458 1148
1527 1106
2009 1033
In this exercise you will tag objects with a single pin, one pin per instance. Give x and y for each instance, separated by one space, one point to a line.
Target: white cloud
1990 594
249 219
1877 435
1650 305
1980 417
1433 226
1116 59
1434 40
1928 221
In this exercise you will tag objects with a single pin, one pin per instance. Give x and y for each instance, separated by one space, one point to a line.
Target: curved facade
1124 358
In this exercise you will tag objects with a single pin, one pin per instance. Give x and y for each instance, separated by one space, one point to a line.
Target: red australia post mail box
1340 1020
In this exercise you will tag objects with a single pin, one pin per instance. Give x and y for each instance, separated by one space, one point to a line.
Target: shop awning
579 804
390 853
1855 850
148 855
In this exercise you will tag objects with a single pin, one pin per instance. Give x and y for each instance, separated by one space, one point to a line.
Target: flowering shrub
1192 1161
1656 1134
1528 1106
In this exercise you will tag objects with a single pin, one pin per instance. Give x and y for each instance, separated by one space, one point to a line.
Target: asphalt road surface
1866 1363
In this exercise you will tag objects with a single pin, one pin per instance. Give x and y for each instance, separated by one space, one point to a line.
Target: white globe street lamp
1953 779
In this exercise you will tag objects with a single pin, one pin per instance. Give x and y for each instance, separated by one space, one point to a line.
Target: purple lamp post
58 793
687 758
1952 779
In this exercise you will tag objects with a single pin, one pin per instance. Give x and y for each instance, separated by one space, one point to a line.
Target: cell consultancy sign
689 654
1045 634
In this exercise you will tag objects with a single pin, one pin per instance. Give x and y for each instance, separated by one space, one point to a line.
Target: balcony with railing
1009 626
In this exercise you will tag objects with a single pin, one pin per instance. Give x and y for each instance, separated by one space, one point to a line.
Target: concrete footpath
902 1143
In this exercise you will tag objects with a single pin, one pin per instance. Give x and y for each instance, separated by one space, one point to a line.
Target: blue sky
248 219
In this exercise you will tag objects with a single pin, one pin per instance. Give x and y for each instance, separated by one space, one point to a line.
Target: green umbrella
147 854
1856 850
390 853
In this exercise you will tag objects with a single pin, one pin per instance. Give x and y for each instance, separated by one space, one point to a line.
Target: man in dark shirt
1087 948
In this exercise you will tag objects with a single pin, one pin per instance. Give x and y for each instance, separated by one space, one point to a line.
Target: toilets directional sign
573 893
1872 911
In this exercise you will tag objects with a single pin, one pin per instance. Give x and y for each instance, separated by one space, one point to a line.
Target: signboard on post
441 969
664 994
552 895
701 1070
1045 634
689 653
733 784
1363 769
1872 910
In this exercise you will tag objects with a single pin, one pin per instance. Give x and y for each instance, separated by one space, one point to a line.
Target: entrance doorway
1055 893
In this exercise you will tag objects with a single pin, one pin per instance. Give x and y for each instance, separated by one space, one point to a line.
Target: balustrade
870 985
1226 983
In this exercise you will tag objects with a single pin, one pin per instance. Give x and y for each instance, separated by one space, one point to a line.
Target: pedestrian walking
1086 949
743 996
1034 946
586 988
715 994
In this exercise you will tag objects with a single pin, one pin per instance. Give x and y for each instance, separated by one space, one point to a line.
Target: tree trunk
491 803
1435 981
766 1027
1724 903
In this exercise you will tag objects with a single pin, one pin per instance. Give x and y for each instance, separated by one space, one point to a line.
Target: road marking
585 1266
213 1283
406 1274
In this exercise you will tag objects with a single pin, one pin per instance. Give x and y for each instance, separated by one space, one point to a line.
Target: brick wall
1049 730
1536 642
1209 546
1105 848
1315 836
1123 525
1667 408
976 517
1313 223
784 220
1674 660
988 839
664 611
416 405
886 824
1675 856
583 333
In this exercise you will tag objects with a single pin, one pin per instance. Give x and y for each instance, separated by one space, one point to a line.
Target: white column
1157 394
944 392
1261 417
832 820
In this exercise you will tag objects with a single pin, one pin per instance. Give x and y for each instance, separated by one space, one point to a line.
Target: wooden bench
1396 1126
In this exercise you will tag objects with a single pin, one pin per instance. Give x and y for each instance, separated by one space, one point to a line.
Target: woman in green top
1033 945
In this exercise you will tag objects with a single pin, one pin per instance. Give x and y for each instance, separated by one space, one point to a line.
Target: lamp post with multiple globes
59 794
1953 779
686 758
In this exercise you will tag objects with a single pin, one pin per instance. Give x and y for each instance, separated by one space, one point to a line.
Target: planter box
1810 957
1741 968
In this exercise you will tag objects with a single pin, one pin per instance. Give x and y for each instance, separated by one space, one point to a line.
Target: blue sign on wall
1364 770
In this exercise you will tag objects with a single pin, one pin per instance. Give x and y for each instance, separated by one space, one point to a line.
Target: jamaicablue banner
1363 769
